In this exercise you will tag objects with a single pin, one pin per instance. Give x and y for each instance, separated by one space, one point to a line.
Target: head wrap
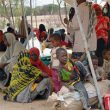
36 51
12 41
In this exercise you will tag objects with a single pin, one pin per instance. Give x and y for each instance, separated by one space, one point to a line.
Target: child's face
55 43
34 57
95 63
63 57
107 56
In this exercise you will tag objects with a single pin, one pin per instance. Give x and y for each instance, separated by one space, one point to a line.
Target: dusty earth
36 105
42 104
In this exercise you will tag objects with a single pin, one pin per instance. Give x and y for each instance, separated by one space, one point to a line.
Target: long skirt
43 90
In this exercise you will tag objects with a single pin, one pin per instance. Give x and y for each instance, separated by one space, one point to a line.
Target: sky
40 2
44 2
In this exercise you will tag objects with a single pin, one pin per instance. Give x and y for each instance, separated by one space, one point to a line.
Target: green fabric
46 60
22 75
71 75
65 75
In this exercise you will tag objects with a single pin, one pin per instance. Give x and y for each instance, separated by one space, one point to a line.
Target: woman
41 33
10 56
27 80
101 31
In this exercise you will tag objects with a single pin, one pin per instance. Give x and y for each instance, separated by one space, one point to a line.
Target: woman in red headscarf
34 59
101 30
31 82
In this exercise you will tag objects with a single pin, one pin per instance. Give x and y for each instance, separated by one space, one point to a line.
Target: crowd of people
24 76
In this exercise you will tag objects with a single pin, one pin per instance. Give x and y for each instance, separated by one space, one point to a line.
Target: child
106 64
98 70
56 43
69 75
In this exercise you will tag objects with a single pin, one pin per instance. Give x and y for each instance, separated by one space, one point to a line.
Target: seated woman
28 80
10 56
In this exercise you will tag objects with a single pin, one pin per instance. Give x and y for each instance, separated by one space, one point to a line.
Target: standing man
87 15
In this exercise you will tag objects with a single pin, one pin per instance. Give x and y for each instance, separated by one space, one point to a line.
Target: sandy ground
42 104
36 105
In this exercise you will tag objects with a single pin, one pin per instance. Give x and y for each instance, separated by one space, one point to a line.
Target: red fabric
63 43
44 68
37 33
102 27
1 36
38 63
43 34
102 24
107 101
97 8
40 34
56 81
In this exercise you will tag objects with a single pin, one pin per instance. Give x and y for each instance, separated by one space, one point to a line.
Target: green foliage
39 10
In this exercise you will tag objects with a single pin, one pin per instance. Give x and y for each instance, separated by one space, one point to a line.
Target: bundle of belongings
69 100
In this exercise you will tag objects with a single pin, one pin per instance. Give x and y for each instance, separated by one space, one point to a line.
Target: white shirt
79 43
